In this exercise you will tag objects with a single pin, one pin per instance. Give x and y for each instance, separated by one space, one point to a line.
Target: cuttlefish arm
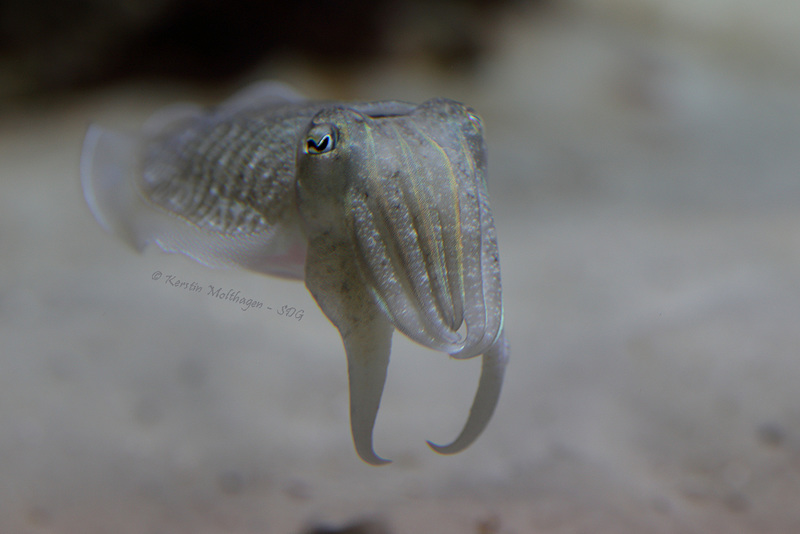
334 282
493 367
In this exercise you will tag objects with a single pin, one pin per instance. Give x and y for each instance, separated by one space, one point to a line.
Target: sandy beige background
644 176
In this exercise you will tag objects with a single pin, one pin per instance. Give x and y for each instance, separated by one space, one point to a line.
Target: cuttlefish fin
337 286
170 118
257 94
111 168
260 94
493 368
108 163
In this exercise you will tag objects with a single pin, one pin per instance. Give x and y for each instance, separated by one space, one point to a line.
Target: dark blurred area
55 45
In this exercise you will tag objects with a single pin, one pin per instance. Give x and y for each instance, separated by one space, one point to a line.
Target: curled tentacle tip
445 449
363 444
373 459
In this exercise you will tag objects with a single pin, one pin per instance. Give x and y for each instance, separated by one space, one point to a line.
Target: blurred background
643 174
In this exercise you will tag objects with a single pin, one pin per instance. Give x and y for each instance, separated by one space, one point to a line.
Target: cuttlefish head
394 204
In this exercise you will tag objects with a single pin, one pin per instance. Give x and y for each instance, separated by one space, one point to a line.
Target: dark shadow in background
56 45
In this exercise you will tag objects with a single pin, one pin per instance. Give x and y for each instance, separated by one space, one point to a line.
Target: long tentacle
492 370
368 345
338 288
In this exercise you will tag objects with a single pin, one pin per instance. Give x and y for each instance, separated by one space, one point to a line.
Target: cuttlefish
381 207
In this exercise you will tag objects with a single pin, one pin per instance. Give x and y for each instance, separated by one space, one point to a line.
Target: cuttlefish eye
476 122
321 139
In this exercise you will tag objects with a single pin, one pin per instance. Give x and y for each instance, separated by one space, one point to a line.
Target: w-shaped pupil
320 146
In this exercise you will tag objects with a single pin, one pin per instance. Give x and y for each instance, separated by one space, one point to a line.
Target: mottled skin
381 207
231 173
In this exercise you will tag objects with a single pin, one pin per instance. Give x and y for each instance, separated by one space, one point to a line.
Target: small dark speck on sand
772 434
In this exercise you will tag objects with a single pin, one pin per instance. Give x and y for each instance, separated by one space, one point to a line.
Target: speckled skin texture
232 173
